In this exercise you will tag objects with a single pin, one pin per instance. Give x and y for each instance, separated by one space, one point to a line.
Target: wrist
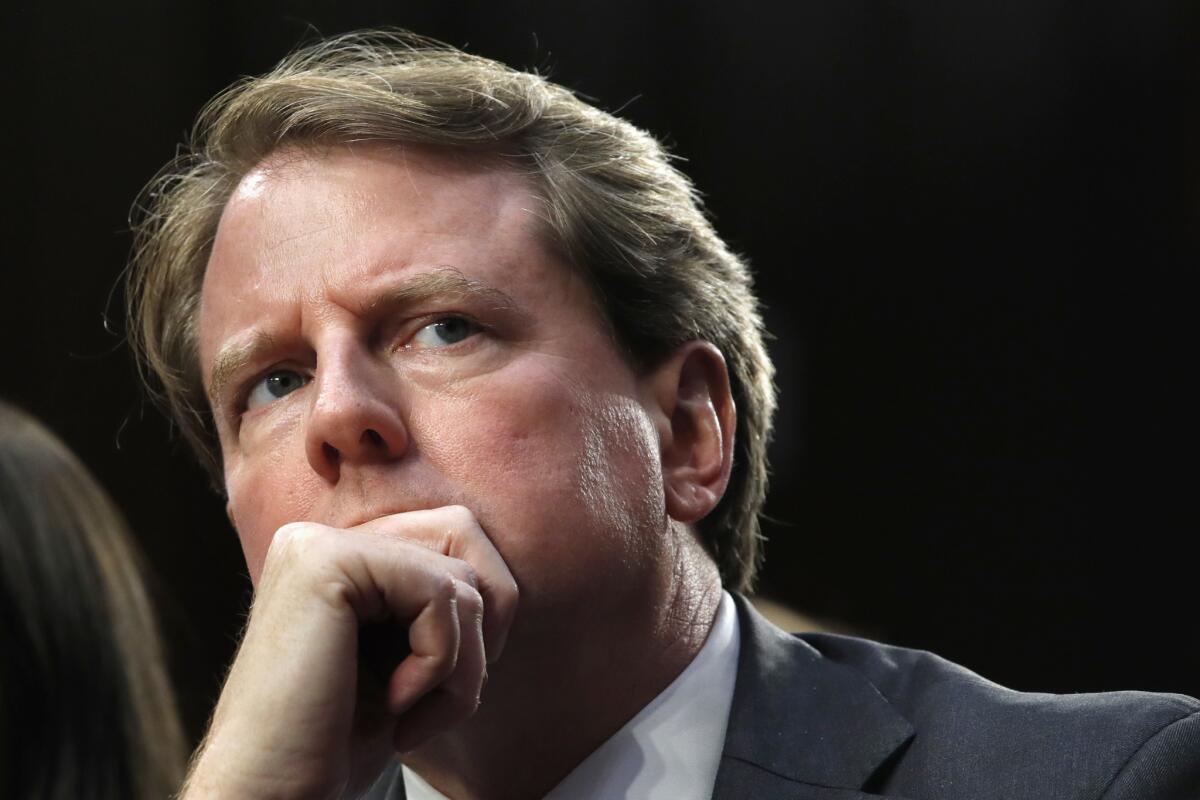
223 773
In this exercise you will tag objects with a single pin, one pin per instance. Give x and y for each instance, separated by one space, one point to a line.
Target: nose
355 417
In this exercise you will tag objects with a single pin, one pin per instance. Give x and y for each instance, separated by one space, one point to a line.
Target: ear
229 513
696 419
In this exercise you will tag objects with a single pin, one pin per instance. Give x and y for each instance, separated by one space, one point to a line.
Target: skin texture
425 423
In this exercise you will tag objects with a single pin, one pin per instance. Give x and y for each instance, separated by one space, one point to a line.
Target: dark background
974 226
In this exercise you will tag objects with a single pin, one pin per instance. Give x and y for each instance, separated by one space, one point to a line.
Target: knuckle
461 516
470 598
445 588
294 541
291 533
470 607
469 576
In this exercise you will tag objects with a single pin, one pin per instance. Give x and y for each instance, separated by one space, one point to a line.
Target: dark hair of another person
86 708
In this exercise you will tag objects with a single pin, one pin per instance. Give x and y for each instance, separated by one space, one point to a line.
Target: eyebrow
443 282
232 358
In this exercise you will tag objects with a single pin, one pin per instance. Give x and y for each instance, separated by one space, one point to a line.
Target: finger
466 682
418 588
453 531
466 679
434 637
468 542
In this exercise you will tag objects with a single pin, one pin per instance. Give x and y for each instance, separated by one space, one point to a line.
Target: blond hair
614 206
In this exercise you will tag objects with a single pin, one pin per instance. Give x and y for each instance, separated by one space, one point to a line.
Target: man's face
385 330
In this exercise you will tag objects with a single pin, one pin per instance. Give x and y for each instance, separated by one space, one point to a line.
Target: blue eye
275 385
444 332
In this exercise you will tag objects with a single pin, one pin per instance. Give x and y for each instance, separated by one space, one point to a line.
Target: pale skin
426 425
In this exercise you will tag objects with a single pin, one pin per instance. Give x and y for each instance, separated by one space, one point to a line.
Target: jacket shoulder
975 738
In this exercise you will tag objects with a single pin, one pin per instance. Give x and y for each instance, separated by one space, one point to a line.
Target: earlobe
229 513
698 421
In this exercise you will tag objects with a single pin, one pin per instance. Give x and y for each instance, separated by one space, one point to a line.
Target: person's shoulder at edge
974 737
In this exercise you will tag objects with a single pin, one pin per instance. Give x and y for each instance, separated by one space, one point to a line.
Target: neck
557 695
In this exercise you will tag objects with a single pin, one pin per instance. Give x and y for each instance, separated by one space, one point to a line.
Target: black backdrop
974 226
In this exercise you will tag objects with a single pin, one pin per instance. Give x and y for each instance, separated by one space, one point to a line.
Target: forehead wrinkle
232 358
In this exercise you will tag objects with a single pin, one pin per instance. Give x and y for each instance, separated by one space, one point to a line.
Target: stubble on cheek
618 476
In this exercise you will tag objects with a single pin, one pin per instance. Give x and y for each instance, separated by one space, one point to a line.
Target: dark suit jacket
824 717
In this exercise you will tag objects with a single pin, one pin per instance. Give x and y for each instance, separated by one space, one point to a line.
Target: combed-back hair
86 707
613 206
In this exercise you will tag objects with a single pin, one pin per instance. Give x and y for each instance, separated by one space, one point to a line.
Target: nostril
371 436
331 453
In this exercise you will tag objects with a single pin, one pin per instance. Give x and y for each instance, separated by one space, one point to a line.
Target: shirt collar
672 747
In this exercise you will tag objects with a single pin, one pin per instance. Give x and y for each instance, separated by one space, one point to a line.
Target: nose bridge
355 415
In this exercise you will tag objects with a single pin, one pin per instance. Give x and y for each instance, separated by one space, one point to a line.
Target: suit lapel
801 726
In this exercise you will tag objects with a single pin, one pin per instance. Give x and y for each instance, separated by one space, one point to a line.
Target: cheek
562 475
620 476
254 535
278 475
500 444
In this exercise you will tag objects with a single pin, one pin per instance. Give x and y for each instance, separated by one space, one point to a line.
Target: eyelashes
273 386
446 331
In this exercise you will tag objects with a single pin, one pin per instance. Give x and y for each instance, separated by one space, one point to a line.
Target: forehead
298 199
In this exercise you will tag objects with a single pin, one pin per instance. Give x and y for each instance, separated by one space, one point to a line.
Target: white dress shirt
672 748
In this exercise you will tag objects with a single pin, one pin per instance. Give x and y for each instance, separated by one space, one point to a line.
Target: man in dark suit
905 723
829 717
489 400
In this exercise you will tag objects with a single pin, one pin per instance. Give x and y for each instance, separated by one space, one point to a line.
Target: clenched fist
360 642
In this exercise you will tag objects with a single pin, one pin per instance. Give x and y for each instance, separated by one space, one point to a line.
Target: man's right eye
273 386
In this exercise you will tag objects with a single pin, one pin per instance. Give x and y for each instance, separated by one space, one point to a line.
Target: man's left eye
445 332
